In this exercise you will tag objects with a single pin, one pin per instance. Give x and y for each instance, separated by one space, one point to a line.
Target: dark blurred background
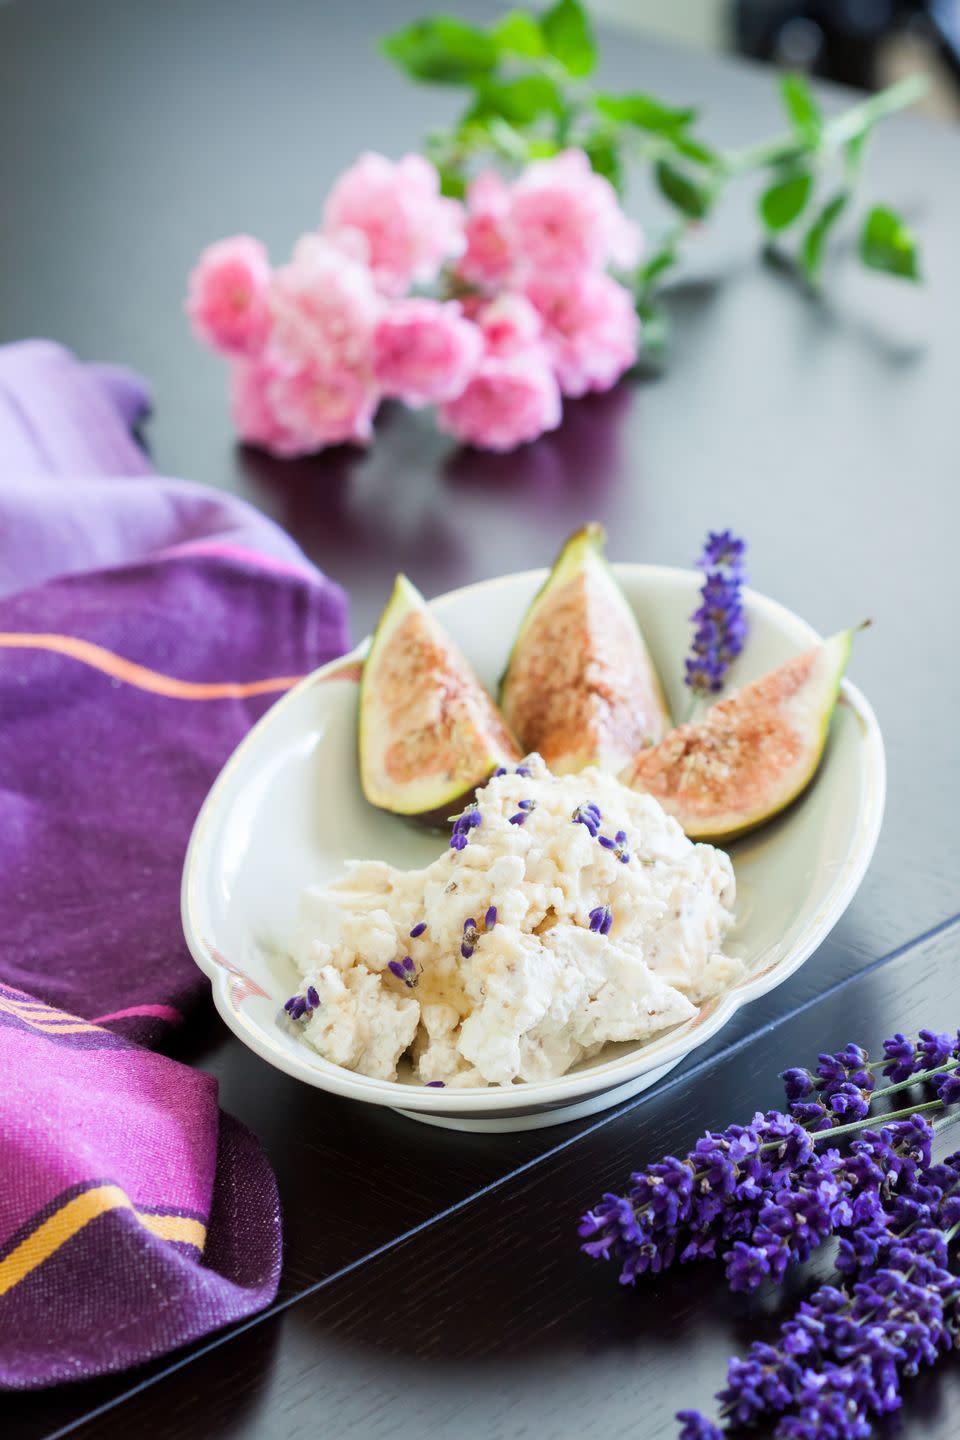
866 43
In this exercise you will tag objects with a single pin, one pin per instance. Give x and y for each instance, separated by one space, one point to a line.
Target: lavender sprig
720 620
760 1190
763 1196
840 1360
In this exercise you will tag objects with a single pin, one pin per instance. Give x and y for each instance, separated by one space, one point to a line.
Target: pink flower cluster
315 344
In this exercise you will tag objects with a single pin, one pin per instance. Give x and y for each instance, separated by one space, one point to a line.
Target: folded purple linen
145 624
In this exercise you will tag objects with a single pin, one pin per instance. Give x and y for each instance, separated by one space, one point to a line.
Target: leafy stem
528 97
836 133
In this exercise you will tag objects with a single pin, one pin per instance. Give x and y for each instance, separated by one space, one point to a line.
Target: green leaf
656 266
646 112
442 49
603 152
518 101
814 241
682 190
695 150
569 39
452 183
801 105
887 244
783 201
540 148
518 34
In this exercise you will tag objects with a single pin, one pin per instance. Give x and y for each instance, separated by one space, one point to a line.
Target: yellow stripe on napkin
55 1231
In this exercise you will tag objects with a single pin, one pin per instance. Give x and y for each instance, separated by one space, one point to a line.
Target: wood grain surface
490 1323
133 133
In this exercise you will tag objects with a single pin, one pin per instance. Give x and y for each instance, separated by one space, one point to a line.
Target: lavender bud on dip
404 970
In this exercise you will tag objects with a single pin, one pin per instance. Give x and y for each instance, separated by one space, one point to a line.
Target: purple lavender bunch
763 1197
839 1361
721 624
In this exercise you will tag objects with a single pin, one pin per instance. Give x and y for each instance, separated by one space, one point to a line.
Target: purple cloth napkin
145 624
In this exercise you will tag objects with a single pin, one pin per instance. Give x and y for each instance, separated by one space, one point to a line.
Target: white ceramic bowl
287 810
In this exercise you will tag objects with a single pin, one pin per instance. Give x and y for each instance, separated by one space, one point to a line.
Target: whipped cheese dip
567 912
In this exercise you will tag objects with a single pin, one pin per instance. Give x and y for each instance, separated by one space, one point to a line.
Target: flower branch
529 98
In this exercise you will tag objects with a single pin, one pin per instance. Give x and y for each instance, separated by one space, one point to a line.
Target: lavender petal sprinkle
601 919
471 934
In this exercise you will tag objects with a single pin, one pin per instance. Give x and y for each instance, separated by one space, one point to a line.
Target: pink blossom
490 253
253 415
510 324
590 329
508 401
324 308
425 351
409 227
227 296
566 218
323 405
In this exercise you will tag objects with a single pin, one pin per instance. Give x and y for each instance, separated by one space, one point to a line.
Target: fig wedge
580 687
749 756
429 733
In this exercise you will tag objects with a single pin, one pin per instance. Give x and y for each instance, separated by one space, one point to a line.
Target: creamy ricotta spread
567 912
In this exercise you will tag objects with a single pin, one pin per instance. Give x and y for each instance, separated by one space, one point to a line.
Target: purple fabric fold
145 624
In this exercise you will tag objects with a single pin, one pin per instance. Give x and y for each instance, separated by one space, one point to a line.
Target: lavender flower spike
720 619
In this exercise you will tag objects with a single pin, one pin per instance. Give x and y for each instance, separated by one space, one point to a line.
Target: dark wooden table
432 1282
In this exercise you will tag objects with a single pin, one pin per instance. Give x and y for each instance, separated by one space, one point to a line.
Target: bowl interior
287 811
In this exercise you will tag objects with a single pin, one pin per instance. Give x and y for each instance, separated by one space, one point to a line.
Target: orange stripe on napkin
139 675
